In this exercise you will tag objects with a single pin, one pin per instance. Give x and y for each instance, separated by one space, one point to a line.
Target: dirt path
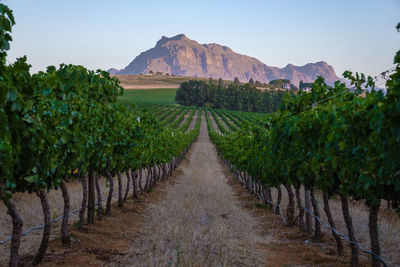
194 119
222 122
214 123
231 122
199 222
201 216
185 117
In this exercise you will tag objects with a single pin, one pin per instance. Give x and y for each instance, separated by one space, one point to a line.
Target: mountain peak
165 39
321 64
113 71
182 56
179 37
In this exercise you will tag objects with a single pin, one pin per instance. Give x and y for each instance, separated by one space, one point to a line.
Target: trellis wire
2 242
320 221
260 197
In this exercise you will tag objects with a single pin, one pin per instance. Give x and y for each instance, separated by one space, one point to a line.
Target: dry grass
222 122
166 81
388 222
30 209
214 123
186 117
199 222
194 120
153 81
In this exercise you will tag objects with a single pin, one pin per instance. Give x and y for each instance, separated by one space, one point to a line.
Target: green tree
279 83
220 82
235 97
236 81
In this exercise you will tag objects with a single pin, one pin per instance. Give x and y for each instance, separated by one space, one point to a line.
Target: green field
159 96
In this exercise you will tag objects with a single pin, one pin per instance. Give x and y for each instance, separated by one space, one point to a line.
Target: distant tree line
235 96
283 83
303 85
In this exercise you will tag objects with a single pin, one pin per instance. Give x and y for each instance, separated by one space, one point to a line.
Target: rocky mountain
182 56
113 71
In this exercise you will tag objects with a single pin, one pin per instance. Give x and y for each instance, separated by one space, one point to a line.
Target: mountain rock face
113 71
182 56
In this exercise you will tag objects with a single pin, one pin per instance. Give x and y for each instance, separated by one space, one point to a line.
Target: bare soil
98 244
213 122
223 122
30 209
199 221
153 81
186 117
199 217
194 119
162 81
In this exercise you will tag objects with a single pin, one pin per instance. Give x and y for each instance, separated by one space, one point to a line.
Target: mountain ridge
179 55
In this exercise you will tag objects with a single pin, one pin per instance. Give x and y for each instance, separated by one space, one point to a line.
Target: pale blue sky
357 35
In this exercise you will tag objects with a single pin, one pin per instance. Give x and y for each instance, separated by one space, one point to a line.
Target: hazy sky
358 35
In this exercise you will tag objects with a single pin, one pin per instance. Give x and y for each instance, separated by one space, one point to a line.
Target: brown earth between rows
110 240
